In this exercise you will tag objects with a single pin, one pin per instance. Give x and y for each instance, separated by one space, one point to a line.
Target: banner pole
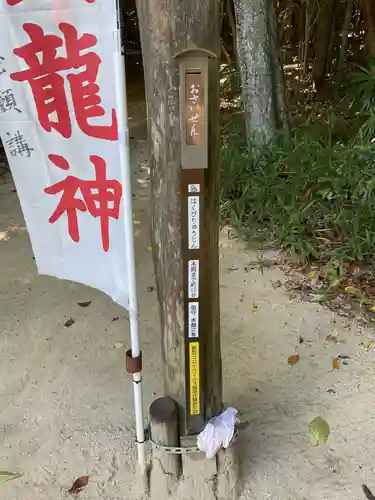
130 260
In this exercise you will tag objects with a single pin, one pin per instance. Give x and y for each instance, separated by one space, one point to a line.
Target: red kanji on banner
100 197
15 2
48 86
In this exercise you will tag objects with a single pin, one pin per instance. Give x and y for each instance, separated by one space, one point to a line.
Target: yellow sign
195 403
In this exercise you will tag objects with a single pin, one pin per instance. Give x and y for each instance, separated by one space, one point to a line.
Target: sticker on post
195 404
193 318
193 215
193 279
194 188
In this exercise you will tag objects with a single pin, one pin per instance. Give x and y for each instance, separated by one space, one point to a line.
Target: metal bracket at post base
181 450
175 450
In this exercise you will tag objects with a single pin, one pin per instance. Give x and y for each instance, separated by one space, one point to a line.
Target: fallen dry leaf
369 345
318 431
79 484
276 284
351 289
333 337
8 476
253 308
343 356
313 274
367 492
149 249
84 304
336 364
372 308
292 360
69 323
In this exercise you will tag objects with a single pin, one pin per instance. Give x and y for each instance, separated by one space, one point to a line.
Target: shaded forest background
320 40
311 189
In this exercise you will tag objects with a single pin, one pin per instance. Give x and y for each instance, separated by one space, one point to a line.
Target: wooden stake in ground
164 431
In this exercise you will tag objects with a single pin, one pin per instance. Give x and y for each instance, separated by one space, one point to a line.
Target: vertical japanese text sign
59 126
194 146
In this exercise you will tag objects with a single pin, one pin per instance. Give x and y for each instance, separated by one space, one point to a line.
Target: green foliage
6 476
360 98
361 93
312 196
230 81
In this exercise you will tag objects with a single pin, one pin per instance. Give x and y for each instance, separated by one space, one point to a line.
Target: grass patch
312 195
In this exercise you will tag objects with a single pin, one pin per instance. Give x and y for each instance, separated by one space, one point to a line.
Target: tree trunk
229 6
261 71
368 15
344 43
167 27
322 42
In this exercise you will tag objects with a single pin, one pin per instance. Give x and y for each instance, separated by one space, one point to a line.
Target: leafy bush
314 197
360 98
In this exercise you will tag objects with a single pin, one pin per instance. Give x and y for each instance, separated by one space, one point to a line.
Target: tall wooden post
178 37
180 46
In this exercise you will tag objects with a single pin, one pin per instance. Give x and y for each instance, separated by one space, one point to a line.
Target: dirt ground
66 403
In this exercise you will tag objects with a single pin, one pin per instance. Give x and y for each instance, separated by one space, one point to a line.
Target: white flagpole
122 117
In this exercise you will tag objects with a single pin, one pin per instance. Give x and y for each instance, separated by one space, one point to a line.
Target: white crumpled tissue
218 433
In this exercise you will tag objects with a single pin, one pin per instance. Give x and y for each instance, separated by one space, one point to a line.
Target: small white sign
193 279
193 319
193 214
194 188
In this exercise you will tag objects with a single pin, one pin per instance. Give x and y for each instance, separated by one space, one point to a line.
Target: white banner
59 127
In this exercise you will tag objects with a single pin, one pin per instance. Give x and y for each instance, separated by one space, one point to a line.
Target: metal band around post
181 450
133 365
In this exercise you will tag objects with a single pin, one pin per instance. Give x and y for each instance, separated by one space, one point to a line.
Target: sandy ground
66 403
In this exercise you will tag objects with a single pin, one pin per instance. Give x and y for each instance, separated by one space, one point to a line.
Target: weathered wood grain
167 27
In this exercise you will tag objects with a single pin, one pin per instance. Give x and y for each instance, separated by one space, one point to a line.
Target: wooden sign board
193 241
193 106
194 110
194 158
